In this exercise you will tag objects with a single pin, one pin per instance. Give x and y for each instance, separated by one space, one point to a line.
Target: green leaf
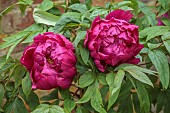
32 101
17 106
46 5
153 46
8 9
89 92
88 3
160 102
136 103
143 98
166 40
2 92
124 3
80 35
3 60
160 62
142 77
22 7
13 47
96 102
134 67
166 21
152 32
150 16
78 110
69 105
8 65
135 6
163 3
62 22
98 12
86 79
53 95
31 36
75 15
26 85
44 17
78 7
11 40
125 89
126 106
102 78
45 108
114 86
126 8
84 54
14 44
22 4
18 74
35 29
28 1
65 94
104 92
9 86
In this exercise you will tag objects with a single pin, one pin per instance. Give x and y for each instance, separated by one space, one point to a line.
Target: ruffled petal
100 65
120 14
95 21
64 83
27 58
134 61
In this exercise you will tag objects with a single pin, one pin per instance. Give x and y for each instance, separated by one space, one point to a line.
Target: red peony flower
51 61
113 40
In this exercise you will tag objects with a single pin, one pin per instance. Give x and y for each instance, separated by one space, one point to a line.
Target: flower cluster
111 41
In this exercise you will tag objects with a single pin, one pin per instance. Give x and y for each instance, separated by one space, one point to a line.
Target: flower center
50 61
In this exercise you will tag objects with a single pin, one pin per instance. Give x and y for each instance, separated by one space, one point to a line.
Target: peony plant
88 59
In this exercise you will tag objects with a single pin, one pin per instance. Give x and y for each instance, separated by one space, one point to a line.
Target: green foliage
160 62
48 109
86 79
32 100
152 32
114 81
69 105
46 5
143 98
15 105
2 92
53 95
26 85
79 37
96 102
43 17
63 21
78 7
149 15
126 88
65 94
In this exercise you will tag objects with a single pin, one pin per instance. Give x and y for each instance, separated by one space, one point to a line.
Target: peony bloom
160 23
113 40
51 61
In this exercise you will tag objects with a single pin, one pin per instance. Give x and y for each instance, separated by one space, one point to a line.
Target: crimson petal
120 14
